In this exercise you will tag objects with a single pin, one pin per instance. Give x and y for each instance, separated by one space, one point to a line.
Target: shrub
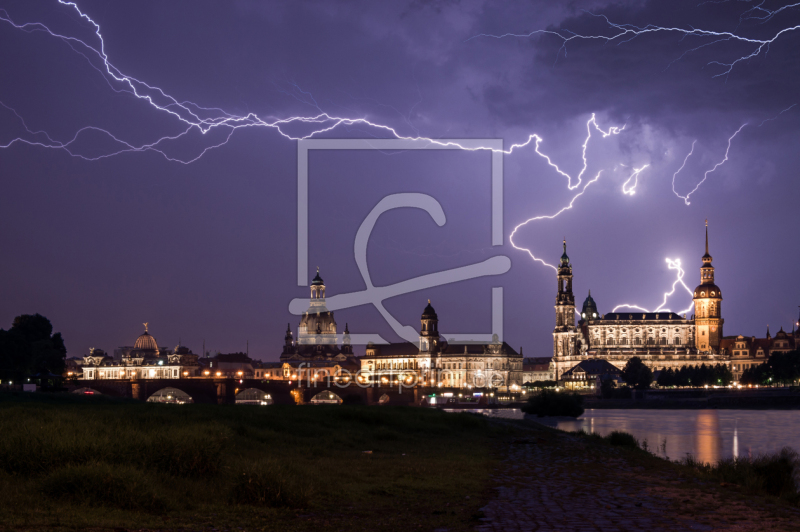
99 484
271 485
776 474
623 439
637 374
552 403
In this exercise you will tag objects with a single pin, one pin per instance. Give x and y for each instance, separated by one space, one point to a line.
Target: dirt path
554 481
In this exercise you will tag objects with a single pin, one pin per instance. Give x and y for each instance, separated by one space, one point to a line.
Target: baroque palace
431 361
660 339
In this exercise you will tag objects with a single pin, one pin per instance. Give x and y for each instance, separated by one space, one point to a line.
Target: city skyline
207 250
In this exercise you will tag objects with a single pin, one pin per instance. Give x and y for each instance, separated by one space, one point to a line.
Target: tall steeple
707 270
565 300
565 335
708 307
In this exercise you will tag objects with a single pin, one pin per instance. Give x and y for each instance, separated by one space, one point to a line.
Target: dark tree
760 375
30 347
785 367
666 377
636 374
553 403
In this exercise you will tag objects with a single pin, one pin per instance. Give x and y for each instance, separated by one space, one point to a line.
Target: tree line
781 368
29 347
702 375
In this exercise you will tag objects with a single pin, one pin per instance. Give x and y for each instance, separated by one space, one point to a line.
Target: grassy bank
767 475
88 463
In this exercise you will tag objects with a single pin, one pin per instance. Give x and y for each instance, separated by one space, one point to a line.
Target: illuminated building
143 360
585 373
660 339
435 362
317 333
306 371
569 347
707 307
537 369
746 352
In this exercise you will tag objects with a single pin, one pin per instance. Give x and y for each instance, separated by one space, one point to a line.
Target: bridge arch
170 395
254 396
86 391
326 397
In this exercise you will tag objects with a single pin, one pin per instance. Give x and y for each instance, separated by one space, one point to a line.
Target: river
708 435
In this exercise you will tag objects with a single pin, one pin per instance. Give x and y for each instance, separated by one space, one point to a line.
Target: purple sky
207 250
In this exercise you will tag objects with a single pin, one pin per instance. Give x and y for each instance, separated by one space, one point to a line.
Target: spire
768 331
706 236
346 329
564 256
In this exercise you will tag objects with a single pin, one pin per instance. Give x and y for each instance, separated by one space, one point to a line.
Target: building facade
143 360
746 352
317 336
435 362
660 339
537 369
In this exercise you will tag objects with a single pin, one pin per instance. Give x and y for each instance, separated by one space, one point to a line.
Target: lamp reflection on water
708 435
708 440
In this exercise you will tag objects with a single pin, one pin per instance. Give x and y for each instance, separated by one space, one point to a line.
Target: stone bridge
224 390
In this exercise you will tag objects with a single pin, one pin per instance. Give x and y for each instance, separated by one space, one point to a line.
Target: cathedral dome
710 290
146 343
589 310
429 313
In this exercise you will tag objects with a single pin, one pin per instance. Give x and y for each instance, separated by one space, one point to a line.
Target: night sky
208 250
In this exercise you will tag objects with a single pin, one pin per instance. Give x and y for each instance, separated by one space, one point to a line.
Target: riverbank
552 480
83 463
70 463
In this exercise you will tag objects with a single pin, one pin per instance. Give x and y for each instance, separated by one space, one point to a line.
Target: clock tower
707 307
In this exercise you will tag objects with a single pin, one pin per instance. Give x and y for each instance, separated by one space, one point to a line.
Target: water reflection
708 440
708 435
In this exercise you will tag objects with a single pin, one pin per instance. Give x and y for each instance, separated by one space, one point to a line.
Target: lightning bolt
635 176
672 265
205 120
627 32
707 172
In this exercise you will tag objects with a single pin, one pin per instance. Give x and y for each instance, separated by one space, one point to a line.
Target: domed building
143 360
145 347
317 333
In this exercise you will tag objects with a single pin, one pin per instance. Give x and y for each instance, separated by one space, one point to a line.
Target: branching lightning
672 265
705 175
627 32
195 118
635 176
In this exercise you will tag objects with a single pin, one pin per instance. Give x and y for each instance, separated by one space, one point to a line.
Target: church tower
565 300
707 307
317 326
565 334
429 333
